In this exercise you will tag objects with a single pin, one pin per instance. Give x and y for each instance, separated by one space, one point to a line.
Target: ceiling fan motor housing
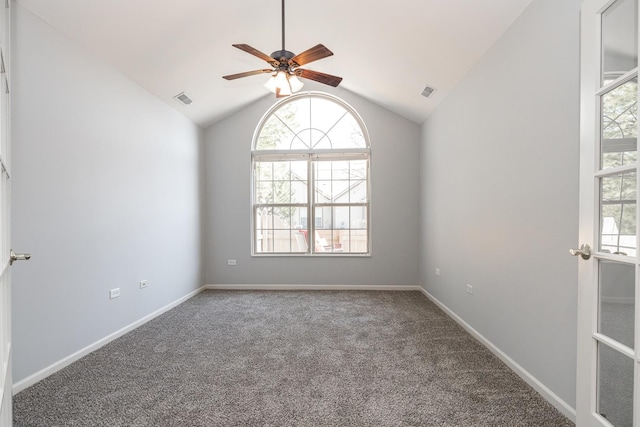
283 56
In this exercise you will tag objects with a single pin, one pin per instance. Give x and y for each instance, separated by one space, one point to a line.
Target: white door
608 376
5 209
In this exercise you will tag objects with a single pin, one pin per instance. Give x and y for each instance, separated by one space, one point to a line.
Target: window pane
323 171
282 191
264 241
264 192
335 232
324 218
281 170
264 171
620 39
349 238
358 192
274 135
615 386
342 218
282 241
301 244
617 301
326 241
263 220
618 214
312 122
359 217
282 218
274 182
323 191
299 191
620 125
331 191
347 133
296 115
358 169
341 181
299 218
276 228
354 241
340 190
340 169
319 140
326 114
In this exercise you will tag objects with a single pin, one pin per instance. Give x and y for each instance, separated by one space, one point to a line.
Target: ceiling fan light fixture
270 85
295 83
283 84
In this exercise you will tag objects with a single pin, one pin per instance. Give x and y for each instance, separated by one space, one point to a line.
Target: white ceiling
386 52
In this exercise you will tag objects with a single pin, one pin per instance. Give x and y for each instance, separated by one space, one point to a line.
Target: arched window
311 179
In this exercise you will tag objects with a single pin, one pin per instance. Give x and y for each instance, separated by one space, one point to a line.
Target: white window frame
312 156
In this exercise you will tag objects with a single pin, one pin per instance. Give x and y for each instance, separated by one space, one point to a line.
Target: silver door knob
18 257
584 251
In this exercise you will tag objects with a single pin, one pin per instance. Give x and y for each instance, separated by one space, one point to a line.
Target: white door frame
590 84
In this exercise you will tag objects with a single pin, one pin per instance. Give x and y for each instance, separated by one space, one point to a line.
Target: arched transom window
311 179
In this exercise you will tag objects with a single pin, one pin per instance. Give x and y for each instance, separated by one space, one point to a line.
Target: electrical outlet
143 284
231 262
437 271
114 293
469 289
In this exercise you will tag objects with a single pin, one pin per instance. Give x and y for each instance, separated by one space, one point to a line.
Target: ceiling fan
286 67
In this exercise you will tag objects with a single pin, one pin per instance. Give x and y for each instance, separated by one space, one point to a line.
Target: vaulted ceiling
386 52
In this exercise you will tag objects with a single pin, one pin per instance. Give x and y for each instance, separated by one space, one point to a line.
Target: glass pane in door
619 39
619 124
618 214
615 386
617 301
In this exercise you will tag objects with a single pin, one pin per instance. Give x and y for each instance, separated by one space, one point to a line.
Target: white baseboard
549 395
316 287
42 374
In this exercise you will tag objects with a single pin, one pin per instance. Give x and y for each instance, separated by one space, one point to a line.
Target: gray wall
394 221
499 194
106 192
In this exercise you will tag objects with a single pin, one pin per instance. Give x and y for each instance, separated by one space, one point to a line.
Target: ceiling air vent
182 98
428 91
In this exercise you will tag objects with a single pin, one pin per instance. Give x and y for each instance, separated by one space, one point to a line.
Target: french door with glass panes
608 376
5 208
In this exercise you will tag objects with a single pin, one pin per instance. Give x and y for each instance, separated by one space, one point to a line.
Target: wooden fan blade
255 52
247 74
310 55
326 79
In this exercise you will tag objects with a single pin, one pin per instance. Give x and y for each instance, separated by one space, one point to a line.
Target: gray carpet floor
290 358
